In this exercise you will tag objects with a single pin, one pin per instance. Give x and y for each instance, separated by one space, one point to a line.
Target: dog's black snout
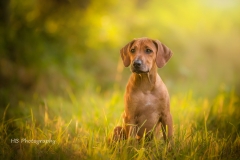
137 63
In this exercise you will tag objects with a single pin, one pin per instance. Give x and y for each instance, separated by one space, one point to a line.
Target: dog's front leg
130 126
167 127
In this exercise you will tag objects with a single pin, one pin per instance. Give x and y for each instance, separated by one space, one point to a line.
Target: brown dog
146 99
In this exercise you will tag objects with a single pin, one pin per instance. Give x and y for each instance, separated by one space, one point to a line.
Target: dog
146 100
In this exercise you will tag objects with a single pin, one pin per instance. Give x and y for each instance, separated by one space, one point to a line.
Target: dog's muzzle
138 67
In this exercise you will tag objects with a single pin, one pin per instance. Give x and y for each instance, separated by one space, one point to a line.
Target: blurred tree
32 40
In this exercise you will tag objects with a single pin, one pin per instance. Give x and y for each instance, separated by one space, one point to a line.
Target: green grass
82 125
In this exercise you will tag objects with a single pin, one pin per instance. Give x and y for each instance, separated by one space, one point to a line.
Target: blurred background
56 46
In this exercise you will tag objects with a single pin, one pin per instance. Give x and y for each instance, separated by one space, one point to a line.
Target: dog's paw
118 134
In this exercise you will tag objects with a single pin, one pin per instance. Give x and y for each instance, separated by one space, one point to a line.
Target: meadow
62 79
80 127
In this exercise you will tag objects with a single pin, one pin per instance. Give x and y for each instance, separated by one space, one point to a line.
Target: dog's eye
148 50
132 50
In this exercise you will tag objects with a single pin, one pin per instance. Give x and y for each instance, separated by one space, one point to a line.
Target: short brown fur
146 99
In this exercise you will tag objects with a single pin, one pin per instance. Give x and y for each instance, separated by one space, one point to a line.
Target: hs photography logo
34 141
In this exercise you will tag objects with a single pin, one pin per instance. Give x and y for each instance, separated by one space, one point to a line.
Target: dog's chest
141 102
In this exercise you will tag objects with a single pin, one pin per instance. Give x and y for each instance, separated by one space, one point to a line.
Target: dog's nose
137 63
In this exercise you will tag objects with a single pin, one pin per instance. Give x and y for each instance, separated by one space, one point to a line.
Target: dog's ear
163 53
125 54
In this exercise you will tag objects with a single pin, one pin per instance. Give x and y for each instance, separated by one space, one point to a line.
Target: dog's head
143 53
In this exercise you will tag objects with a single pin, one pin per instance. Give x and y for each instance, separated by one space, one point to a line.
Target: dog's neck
145 81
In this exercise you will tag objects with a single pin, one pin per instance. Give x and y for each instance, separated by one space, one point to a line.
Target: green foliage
68 43
82 126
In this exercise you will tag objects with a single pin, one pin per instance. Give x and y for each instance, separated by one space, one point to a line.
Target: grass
80 128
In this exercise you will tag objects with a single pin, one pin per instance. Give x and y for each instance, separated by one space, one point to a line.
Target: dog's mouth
138 71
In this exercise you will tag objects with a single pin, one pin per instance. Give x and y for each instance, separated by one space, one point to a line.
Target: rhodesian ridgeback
146 99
